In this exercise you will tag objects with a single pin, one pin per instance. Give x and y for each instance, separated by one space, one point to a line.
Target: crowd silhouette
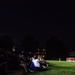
12 60
32 64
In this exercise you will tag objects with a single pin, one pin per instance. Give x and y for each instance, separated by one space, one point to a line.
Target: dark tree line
30 44
55 48
6 42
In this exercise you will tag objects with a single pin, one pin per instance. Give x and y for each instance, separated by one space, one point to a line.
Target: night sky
42 19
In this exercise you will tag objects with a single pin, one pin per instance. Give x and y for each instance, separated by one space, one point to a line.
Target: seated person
22 62
28 64
43 64
36 62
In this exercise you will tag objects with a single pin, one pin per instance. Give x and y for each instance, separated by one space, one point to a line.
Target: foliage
30 43
6 42
55 48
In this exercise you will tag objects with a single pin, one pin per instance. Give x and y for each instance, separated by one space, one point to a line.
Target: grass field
57 68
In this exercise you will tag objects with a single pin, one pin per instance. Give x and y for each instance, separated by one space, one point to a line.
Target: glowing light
38 49
44 49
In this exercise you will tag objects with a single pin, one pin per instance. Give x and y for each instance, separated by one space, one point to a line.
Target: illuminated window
45 52
38 52
44 49
38 49
43 56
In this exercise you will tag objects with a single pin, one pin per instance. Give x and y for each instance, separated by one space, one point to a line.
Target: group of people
32 64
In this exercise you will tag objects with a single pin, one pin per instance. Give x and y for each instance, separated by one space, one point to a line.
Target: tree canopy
6 42
55 48
29 43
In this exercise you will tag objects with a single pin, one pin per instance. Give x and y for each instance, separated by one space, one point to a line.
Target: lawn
57 68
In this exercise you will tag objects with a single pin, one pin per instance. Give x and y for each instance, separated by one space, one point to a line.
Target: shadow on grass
31 73
35 73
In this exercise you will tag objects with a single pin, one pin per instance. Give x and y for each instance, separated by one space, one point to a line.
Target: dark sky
41 19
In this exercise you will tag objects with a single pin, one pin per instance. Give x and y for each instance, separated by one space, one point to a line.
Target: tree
30 44
6 42
55 48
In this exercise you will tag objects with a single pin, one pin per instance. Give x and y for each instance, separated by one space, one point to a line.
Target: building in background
71 57
41 52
